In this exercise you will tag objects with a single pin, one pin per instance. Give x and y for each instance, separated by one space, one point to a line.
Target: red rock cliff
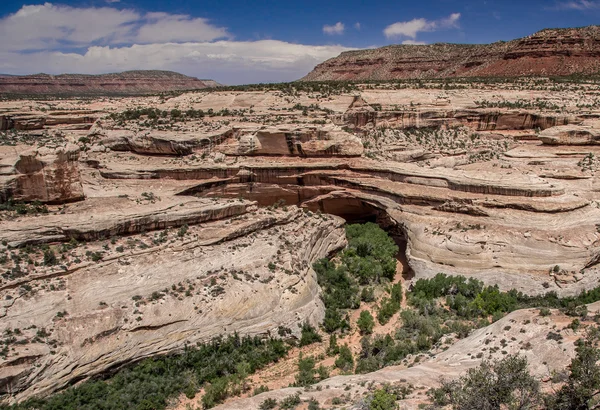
551 52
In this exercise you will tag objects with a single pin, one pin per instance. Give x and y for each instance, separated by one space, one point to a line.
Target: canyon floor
132 227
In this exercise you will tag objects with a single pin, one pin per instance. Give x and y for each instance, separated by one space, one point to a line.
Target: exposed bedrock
305 142
248 274
479 120
46 175
116 217
313 174
570 135
512 248
548 52
155 142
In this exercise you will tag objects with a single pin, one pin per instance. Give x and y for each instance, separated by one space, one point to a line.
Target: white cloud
50 26
337 28
413 27
161 27
62 39
414 43
578 5
229 62
357 25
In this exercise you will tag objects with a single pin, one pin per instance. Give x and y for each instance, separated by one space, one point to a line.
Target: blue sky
249 41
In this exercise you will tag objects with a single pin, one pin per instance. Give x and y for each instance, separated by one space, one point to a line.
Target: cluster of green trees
369 259
23 208
469 298
175 114
325 88
453 304
221 366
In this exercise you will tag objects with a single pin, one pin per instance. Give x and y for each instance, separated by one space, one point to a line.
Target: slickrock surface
173 220
155 298
551 52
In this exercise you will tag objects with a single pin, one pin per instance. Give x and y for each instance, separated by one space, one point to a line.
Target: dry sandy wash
162 221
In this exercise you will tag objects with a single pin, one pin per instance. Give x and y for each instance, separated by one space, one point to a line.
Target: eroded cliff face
196 227
45 175
248 274
555 52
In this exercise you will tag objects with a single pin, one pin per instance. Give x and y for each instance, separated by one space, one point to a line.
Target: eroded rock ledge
250 274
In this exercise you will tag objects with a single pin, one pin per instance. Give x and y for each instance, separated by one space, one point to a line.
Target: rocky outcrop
117 217
247 275
554 52
304 142
28 122
507 336
479 120
125 83
570 135
46 175
152 144
6 123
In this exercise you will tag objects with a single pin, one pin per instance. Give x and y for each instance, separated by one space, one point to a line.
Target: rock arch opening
326 199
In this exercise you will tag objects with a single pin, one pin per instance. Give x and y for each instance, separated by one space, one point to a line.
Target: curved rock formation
197 226
249 274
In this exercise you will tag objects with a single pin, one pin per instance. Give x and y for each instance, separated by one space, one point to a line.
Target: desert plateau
406 227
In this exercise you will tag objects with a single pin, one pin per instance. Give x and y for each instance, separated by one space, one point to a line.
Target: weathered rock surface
552 52
530 340
304 142
102 218
46 175
570 135
456 172
123 308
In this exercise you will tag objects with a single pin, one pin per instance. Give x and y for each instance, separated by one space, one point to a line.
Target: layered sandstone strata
553 52
46 175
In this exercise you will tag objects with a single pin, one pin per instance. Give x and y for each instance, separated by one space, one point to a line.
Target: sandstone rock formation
552 52
250 274
570 135
46 175
304 142
191 226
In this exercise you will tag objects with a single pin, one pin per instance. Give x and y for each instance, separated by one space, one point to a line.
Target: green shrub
493 385
382 400
365 322
268 404
309 335
150 384
306 371
345 360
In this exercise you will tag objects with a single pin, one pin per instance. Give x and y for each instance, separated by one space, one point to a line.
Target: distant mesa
126 83
550 52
